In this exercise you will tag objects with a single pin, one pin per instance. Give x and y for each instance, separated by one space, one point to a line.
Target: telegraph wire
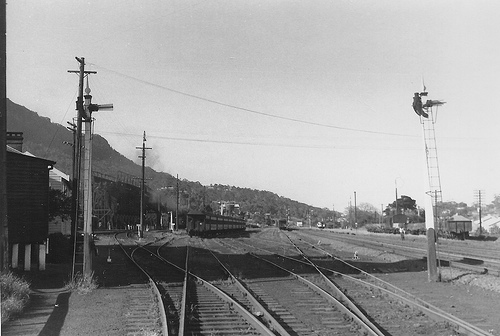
312 123
61 123
102 91
252 143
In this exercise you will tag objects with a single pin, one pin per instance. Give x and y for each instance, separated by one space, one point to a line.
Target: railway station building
27 204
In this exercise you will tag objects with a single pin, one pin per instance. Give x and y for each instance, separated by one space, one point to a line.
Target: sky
309 99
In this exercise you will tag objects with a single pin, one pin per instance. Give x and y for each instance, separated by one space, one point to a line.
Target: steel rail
182 320
367 327
154 286
275 325
457 247
431 310
491 266
341 296
248 316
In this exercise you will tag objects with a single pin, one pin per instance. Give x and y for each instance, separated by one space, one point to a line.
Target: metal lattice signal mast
428 117
432 161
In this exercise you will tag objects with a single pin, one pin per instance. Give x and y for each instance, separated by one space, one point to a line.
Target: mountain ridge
50 140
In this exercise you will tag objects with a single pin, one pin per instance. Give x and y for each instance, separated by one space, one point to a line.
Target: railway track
394 310
192 305
468 258
220 309
239 290
145 313
443 320
308 310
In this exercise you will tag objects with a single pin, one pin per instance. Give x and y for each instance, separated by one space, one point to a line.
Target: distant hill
46 139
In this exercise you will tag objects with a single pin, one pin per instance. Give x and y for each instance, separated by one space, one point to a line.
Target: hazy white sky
310 99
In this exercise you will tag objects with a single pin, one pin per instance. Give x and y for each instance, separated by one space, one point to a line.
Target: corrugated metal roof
57 173
15 151
459 218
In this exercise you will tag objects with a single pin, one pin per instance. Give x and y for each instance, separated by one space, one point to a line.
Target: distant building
487 223
60 181
458 226
399 221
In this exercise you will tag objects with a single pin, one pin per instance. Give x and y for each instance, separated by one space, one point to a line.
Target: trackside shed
27 197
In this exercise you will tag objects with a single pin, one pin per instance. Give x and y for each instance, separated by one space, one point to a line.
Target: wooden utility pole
176 227
479 195
85 109
4 228
75 192
143 157
355 212
396 188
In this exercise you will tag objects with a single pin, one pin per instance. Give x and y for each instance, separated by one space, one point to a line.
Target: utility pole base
431 256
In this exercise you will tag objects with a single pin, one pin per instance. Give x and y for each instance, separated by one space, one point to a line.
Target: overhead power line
312 123
257 143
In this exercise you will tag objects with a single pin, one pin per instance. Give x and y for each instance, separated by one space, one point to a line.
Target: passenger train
200 224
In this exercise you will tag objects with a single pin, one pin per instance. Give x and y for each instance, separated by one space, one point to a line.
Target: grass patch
15 293
82 284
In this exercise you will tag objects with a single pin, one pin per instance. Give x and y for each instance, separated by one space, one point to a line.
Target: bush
82 284
60 249
14 294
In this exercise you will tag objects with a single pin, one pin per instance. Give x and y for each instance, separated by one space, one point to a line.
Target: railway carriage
200 224
458 227
282 224
454 227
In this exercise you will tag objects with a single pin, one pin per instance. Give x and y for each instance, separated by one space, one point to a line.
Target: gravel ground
53 310
473 297
448 274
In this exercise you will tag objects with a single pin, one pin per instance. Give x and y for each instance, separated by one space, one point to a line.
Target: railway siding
440 315
440 324
266 283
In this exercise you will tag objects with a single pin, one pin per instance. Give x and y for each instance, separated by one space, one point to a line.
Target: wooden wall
27 198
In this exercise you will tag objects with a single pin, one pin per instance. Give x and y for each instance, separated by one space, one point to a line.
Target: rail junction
275 282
